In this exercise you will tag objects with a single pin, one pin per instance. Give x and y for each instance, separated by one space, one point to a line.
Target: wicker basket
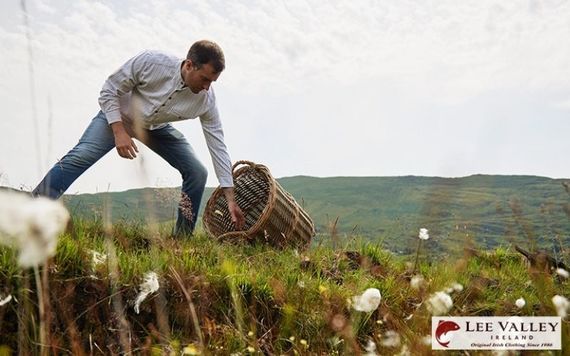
271 214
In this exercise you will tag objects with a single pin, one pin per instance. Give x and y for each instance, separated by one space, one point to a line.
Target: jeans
167 142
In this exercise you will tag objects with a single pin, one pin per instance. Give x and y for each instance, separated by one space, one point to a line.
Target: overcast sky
321 88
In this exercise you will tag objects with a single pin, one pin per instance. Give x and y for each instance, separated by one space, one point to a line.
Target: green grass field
222 299
490 211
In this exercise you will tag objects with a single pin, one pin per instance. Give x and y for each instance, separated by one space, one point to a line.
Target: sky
320 88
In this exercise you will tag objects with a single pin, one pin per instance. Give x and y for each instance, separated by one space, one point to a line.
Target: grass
250 299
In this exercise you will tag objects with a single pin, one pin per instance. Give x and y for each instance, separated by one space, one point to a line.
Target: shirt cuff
226 182
113 116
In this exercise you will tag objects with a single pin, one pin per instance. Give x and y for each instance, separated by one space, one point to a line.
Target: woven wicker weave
271 214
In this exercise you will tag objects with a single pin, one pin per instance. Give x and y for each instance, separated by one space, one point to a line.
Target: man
139 101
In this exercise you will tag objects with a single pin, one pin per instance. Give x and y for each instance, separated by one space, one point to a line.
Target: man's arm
122 81
118 84
214 134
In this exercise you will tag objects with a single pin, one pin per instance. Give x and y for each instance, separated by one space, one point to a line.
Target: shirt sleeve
122 81
214 134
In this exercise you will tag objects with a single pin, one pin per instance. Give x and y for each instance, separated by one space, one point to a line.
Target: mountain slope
491 209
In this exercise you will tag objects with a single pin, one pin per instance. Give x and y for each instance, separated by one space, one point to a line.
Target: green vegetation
490 211
251 299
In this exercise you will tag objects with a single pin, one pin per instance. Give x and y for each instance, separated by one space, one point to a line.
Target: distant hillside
491 210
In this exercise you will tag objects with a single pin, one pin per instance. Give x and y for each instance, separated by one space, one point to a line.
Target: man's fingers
131 151
238 219
135 146
125 153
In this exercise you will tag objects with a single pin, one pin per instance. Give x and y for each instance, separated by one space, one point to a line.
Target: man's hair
203 52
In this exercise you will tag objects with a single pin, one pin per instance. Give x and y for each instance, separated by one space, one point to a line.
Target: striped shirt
149 89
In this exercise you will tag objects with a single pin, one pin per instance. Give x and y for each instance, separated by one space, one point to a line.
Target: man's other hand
123 141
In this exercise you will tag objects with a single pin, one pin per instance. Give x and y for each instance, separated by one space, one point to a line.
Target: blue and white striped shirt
149 90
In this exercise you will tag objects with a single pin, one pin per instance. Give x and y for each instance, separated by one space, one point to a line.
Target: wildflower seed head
390 339
149 285
562 273
439 303
561 304
31 225
417 281
368 301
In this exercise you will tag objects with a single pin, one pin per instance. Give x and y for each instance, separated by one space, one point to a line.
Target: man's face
198 79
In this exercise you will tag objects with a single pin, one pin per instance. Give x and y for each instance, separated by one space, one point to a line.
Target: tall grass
219 298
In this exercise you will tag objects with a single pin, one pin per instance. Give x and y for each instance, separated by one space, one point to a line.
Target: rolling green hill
488 209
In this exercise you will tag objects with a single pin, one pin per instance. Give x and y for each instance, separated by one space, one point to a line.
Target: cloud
327 81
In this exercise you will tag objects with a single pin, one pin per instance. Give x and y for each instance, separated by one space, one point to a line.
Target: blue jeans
167 142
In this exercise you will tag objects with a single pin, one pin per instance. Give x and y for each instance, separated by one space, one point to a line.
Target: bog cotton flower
423 234
150 285
390 339
417 281
5 300
456 287
561 304
370 348
520 303
31 225
368 301
97 258
439 303
562 272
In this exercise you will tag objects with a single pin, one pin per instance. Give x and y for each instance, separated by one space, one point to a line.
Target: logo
443 328
496 333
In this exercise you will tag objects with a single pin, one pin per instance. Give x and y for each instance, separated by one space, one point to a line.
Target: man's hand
123 141
237 215
234 209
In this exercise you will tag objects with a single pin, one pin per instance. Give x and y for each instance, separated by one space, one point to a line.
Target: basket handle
249 163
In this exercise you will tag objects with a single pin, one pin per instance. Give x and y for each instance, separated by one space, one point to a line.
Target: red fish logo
443 327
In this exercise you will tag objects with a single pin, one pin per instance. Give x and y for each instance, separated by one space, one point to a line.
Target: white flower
423 234
520 303
368 301
31 225
562 273
97 258
390 339
370 348
150 285
5 300
456 287
561 304
439 303
417 281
